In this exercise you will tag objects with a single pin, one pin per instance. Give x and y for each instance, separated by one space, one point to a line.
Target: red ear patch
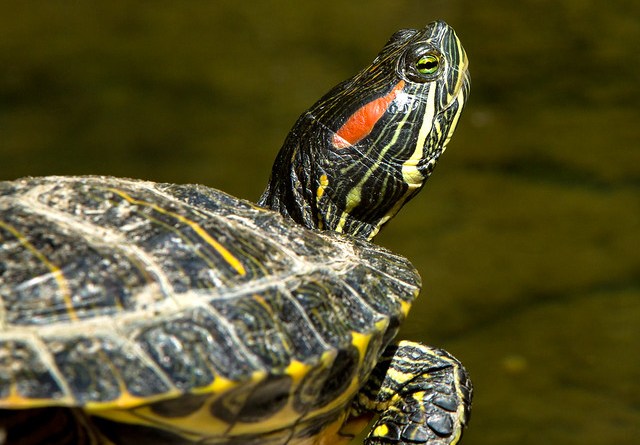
360 124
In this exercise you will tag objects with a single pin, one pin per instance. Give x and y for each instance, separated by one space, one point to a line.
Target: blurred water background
528 234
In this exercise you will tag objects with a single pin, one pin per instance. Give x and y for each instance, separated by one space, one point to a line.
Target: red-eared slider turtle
135 312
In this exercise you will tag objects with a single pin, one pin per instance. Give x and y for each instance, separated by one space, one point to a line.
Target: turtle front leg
422 395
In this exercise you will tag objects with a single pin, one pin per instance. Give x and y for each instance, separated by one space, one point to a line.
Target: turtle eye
422 63
427 64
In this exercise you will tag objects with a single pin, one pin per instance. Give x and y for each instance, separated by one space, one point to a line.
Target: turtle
142 312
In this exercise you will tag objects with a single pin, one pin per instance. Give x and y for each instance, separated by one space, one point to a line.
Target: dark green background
527 236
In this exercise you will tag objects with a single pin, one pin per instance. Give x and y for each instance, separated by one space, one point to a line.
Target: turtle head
367 147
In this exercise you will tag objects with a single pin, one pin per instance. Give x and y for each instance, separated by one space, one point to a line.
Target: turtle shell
121 293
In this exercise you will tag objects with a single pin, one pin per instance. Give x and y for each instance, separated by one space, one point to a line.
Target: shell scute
49 277
102 369
195 347
24 375
271 326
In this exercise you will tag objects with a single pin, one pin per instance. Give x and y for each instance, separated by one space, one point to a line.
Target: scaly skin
422 394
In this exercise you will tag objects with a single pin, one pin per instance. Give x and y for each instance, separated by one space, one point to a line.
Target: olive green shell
119 292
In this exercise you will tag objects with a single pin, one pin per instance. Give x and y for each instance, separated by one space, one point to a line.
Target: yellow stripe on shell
194 426
297 370
55 271
201 424
327 360
405 307
382 325
228 256
117 408
15 401
125 401
360 342
219 385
